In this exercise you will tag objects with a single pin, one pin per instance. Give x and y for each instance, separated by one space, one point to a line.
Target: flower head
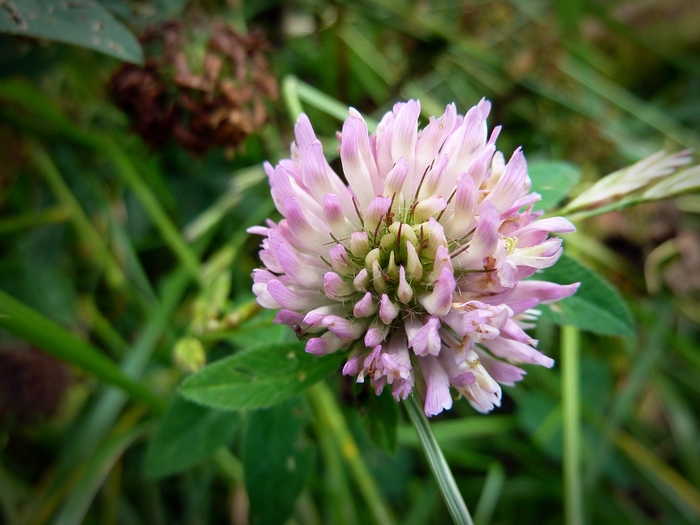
415 266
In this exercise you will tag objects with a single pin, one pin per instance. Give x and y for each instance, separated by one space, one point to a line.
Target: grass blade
114 274
167 229
95 472
327 411
493 485
30 325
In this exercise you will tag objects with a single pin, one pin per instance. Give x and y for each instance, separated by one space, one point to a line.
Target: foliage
114 255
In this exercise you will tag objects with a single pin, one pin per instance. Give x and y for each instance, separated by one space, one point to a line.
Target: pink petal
288 317
375 212
516 352
439 301
537 232
299 270
304 132
462 221
404 291
388 311
395 178
326 344
354 149
335 287
403 143
340 262
429 208
362 280
433 136
437 395
343 328
294 299
365 306
484 241
511 184
543 291
504 373
300 227
426 340
376 333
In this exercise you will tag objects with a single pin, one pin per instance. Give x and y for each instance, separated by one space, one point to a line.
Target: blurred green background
124 197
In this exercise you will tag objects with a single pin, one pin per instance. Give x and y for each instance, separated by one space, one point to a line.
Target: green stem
326 409
228 465
294 91
54 215
578 215
573 487
101 327
438 464
167 229
290 96
88 234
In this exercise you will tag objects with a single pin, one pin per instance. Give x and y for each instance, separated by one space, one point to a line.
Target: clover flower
416 266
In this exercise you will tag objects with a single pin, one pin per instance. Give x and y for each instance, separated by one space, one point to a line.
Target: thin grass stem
438 464
571 401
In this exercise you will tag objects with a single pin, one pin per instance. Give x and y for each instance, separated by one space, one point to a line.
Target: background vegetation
125 264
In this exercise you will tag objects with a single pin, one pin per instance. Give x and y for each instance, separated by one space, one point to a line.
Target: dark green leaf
277 462
552 179
540 417
381 420
188 434
83 23
597 306
260 331
259 377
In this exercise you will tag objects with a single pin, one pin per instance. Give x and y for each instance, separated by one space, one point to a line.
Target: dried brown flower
31 384
201 90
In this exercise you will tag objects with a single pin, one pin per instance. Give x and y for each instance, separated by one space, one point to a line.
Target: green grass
112 252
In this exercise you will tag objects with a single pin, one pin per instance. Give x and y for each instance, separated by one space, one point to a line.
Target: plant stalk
438 464
571 403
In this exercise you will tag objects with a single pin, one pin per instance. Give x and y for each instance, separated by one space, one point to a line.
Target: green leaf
259 377
259 331
540 417
188 434
277 462
552 179
597 306
83 23
381 420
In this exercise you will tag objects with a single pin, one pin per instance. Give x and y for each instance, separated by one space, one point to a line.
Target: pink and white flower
415 266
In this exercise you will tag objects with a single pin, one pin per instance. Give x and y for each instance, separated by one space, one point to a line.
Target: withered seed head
200 97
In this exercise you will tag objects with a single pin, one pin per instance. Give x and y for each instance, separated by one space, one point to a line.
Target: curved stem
438 464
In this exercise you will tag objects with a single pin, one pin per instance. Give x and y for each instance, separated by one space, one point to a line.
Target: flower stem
573 488
438 464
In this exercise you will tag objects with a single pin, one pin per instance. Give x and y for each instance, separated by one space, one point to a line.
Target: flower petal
437 395
439 300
